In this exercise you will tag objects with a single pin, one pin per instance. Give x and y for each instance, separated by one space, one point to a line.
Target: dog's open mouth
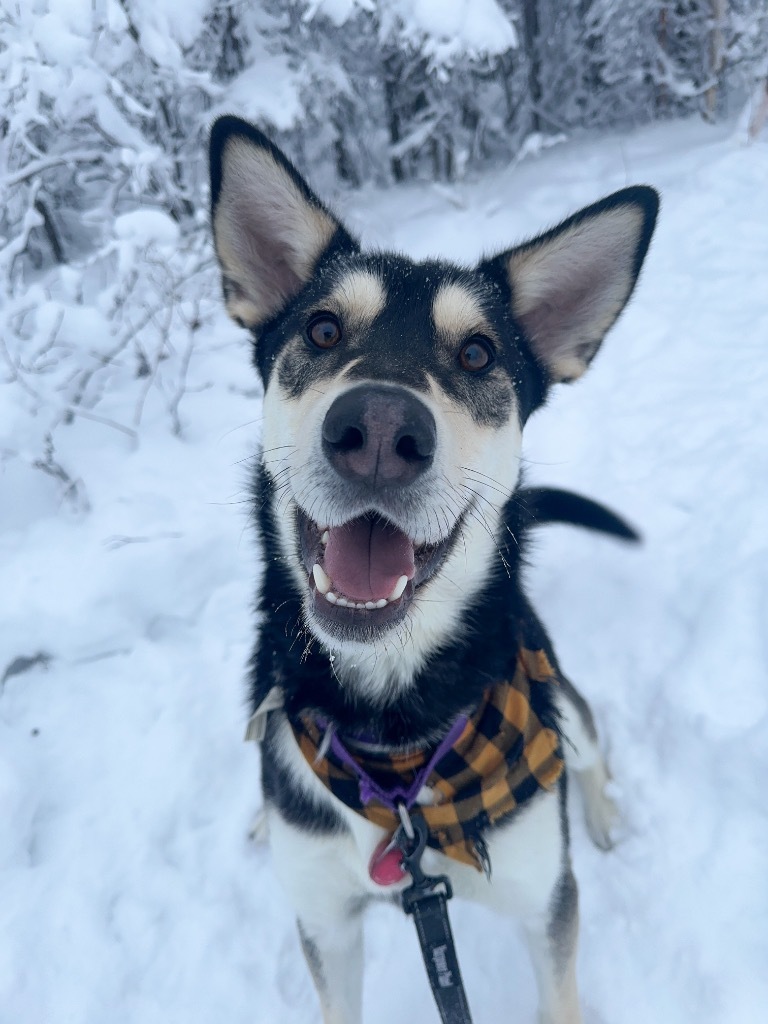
365 572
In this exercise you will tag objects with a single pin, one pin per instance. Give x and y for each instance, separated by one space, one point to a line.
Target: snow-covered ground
129 892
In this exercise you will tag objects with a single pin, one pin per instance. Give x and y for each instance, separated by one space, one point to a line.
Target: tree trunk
531 34
716 56
760 113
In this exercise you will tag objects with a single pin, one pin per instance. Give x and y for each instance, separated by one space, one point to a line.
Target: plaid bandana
501 758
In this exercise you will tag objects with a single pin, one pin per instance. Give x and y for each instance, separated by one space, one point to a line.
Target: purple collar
371 790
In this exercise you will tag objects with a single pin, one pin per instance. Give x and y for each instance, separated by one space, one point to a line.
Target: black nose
378 435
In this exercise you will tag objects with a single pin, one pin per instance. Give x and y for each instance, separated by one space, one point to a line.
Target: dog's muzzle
379 441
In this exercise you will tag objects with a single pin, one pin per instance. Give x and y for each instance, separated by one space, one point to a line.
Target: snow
58 44
144 226
337 11
443 30
450 31
129 891
166 19
268 89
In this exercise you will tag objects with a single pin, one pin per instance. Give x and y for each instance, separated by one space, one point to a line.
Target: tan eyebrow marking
359 296
457 313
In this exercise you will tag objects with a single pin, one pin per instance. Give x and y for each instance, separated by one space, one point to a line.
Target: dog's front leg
532 881
334 953
552 939
314 873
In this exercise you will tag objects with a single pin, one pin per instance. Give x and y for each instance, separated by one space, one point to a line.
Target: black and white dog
389 505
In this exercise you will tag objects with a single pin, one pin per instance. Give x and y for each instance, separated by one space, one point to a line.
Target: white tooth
343 602
398 589
360 604
370 604
381 603
322 582
324 537
330 596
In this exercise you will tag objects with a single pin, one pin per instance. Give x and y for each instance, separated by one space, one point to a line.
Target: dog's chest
514 848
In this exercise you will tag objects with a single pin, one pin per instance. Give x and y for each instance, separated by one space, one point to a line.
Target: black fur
453 680
402 343
295 805
564 914
551 505
314 960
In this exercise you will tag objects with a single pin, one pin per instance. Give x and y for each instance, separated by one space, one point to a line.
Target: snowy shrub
102 230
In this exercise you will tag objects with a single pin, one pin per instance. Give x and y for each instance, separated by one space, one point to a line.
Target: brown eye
476 354
324 331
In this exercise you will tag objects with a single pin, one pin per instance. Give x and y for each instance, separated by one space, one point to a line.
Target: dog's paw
259 830
602 814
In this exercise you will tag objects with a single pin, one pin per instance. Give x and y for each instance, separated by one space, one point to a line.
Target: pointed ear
570 284
269 229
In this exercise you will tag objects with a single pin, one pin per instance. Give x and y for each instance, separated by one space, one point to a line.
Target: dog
389 504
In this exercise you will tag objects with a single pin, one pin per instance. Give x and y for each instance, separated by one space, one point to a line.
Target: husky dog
389 504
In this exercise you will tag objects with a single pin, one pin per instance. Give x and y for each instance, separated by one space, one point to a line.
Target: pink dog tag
386 866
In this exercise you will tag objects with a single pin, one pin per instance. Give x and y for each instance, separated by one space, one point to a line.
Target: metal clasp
411 838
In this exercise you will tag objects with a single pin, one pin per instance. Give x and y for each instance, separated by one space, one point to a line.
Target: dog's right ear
269 228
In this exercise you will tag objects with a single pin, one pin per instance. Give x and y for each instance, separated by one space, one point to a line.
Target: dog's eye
476 354
324 331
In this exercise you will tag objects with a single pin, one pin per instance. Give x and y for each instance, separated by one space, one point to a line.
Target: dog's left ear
569 285
269 228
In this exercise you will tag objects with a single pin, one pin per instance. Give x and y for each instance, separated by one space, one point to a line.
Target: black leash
426 900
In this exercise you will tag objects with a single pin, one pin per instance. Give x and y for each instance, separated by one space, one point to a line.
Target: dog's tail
551 505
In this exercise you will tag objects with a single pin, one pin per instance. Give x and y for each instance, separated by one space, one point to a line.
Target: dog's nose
378 435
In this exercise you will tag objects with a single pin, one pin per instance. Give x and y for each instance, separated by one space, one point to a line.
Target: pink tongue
366 558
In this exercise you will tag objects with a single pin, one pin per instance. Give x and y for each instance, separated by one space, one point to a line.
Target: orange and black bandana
502 757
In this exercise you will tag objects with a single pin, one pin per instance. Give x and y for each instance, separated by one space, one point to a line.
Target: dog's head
396 392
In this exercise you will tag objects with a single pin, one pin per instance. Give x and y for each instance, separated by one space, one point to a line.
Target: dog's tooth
360 604
371 604
398 589
330 596
343 602
324 537
322 580
381 603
